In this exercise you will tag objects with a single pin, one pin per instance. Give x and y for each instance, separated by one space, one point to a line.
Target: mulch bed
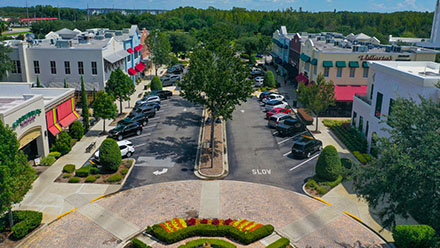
102 180
118 118
205 153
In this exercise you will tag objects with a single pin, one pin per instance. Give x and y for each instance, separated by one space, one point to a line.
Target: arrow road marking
291 169
163 171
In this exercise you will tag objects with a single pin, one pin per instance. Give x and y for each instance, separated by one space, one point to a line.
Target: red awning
132 71
65 113
50 123
346 92
140 67
138 47
129 50
302 78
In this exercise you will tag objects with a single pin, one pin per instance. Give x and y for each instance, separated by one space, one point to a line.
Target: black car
257 73
264 94
306 146
289 127
148 110
162 94
135 117
125 130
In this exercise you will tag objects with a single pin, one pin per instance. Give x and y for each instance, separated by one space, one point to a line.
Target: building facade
386 82
280 50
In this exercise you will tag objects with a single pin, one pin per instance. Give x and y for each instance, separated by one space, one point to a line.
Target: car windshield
273 111
299 146
119 127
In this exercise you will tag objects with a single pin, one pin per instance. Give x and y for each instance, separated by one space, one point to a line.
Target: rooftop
422 69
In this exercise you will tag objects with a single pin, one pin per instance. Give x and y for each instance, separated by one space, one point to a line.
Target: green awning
314 62
304 57
341 64
327 63
365 64
353 64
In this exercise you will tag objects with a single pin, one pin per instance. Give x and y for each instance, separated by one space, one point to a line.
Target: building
37 115
345 62
98 11
387 81
67 55
280 51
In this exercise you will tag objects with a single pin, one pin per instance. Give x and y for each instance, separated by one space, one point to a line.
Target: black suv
135 117
124 130
289 127
305 147
145 109
162 94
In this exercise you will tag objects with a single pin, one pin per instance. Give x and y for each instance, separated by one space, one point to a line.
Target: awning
365 64
314 62
140 67
353 64
114 57
66 113
130 51
304 57
51 123
132 71
341 64
301 78
138 47
347 92
327 63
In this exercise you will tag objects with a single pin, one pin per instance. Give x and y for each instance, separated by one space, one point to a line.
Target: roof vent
99 37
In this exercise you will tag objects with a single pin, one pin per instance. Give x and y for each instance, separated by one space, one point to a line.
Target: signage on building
375 57
26 119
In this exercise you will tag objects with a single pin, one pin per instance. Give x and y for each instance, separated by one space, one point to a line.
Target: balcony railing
364 98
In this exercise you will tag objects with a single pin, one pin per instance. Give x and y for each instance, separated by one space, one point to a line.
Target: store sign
26 119
375 57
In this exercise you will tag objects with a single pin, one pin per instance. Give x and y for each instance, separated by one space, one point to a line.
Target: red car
277 111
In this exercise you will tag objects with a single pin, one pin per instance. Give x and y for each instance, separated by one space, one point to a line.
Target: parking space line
275 133
287 154
140 136
136 146
291 169
149 126
281 142
154 118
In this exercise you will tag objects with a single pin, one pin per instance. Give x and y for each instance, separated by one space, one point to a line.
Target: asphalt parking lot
257 154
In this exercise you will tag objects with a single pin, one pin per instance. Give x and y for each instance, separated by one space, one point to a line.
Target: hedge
114 178
74 180
414 236
124 171
156 84
280 243
26 221
90 179
207 230
94 170
69 168
305 116
66 175
331 123
136 243
329 164
347 163
76 130
110 155
360 157
54 154
351 138
63 143
83 171
214 243
47 161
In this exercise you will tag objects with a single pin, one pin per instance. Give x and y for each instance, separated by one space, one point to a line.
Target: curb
128 173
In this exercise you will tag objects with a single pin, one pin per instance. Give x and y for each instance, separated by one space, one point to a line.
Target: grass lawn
18 33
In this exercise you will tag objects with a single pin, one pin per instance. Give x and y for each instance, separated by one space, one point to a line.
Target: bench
90 147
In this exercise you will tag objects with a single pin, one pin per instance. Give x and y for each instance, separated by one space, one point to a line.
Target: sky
307 5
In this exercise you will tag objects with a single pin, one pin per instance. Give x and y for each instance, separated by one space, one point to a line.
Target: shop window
366 129
352 72
390 111
53 67
361 123
67 67
365 72
94 68
80 68
36 67
307 66
16 66
378 109
326 71
339 72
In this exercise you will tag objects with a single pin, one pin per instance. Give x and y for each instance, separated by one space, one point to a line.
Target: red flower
204 221
215 222
228 221
191 222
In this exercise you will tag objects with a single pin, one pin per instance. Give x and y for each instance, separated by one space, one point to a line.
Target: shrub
69 168
66 175
114 178
329 164
94 170
26 221
311 184
269 79
110 155
136 243
156 84
368 157
280 243
98 176
47 161
331 123
360 157
414 236
76 130
54 154
124 171
322 190
347 163
74 180
351 137
63 144
305 116
90 179
83 171
244 55
214 243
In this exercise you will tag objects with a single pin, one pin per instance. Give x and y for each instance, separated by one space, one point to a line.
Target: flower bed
305 116
212 242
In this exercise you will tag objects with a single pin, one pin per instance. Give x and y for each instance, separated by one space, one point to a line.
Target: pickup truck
289 127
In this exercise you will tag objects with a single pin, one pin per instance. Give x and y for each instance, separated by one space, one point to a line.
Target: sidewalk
53 199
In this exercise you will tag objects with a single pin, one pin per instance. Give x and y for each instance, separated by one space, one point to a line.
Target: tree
110 155
76 130
318 96
63 144
181 42
406 174
65 84
156 84
16 175
5 60
269 80
38 83
104 107
160 48
329 165
247 44
216 79
120 86
85 105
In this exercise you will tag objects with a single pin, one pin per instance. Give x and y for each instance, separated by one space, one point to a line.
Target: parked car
257 73
306 146
170 80
162 94
276 104
126 147
176 69
146 109
272 97
264 94
125 130
138 117
148 98
274 120
275 111
259 81
290 127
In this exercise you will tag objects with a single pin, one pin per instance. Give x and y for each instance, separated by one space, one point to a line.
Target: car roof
274 102
279 115
304 140
124 142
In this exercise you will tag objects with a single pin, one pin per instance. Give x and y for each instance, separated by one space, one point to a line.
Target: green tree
181 42
39 83
76 130
247 44
156 84
63 144
329 165
120 86
317 97
16 175
405 174
104 107
65 84
160 48
110 155
216 79
85 105
269 80
5 60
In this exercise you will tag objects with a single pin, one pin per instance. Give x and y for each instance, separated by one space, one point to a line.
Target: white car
126 147
259 81
272 97
148 98
276 104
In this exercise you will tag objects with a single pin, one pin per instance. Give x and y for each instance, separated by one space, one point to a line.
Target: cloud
406 3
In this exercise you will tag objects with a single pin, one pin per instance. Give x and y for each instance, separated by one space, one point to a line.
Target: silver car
276 104
277 119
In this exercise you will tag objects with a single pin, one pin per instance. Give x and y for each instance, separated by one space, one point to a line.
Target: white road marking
281 142
286 154
154 118
163 171
151 126
184 109
140 136
242 110
136 146
275 133
291 169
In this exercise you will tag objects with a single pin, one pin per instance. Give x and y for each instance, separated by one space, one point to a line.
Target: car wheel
128 154
308 155
138 132
120 137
